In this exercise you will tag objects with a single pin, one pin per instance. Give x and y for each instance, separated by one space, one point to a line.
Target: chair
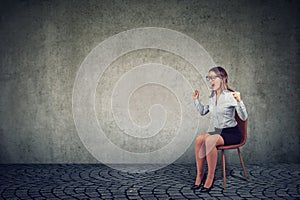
242 125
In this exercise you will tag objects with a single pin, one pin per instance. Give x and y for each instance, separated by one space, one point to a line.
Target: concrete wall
44 43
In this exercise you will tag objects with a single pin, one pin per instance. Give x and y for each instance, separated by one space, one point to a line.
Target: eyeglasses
212 77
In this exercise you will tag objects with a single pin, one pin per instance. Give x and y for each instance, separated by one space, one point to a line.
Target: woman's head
218 78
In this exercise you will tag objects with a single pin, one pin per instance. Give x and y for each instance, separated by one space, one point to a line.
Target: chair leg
242 162
223 168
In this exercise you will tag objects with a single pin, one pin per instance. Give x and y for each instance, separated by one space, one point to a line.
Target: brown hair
220 71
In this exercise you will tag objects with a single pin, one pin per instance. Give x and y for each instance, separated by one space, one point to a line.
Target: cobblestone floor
91 181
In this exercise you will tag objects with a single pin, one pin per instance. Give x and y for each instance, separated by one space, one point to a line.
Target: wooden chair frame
242 125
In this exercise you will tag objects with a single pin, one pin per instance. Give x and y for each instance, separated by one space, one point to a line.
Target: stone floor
91 181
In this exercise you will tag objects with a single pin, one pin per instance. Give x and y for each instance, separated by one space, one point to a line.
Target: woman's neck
219 91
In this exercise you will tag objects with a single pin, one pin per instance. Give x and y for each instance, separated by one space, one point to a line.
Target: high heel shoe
196 187
207 190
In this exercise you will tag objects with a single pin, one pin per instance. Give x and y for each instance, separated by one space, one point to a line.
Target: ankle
209 181
199 179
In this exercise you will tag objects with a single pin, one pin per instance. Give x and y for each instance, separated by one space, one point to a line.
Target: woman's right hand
196 95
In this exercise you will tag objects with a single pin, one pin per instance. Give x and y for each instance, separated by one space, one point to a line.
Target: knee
211 141
200 139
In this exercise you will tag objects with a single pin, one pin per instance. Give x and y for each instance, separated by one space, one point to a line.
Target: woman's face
215 81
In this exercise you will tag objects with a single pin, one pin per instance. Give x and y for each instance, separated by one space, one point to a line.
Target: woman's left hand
237 96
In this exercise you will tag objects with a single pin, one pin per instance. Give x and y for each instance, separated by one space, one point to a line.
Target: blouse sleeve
241 110
202 109
239 107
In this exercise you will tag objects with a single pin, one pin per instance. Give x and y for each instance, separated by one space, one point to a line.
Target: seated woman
222 105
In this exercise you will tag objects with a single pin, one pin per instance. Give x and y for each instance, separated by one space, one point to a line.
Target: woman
222 105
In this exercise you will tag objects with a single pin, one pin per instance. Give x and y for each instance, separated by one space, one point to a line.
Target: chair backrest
242 125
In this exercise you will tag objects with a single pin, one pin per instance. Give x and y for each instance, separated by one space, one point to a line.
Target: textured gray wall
43 44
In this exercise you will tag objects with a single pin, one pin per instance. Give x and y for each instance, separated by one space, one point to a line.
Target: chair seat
234 146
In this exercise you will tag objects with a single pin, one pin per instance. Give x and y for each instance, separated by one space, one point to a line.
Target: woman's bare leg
211 142
200 156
